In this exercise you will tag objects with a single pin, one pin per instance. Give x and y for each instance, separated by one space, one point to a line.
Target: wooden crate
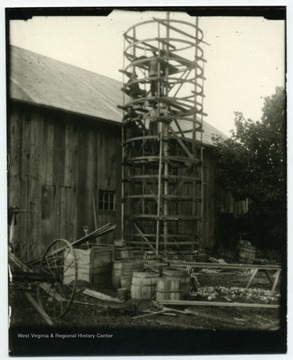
94 265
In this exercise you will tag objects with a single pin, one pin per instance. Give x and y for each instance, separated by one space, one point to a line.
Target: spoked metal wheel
59 271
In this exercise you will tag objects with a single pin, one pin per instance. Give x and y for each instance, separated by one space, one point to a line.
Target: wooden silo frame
162 186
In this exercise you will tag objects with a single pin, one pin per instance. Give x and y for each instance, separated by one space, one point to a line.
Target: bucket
247 254
174 284
123 253
122 294
143 285
128 267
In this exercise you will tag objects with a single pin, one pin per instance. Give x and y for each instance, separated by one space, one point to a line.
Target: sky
245 59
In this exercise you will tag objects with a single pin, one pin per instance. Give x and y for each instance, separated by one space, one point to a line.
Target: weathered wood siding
57 165
215 200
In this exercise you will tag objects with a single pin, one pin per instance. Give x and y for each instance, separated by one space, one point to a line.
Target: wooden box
94 265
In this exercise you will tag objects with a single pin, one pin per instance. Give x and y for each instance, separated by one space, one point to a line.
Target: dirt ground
134 328
88 311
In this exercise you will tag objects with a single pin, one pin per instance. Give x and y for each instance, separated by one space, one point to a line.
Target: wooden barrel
128 267
247 254
116 274
143 284
173 285
155 265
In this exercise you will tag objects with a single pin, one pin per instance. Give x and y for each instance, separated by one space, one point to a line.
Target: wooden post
276 281
159 196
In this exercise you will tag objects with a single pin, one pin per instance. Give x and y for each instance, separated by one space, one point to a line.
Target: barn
64 154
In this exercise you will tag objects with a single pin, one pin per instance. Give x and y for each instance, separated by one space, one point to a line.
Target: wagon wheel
59 270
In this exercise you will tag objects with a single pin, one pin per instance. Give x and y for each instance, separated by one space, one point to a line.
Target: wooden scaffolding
162 176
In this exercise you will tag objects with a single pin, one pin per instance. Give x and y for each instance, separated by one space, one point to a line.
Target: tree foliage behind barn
252 164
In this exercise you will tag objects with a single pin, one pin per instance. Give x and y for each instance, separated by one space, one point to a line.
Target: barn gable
64 149
40 80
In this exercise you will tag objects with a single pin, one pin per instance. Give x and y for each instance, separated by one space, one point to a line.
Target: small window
107 200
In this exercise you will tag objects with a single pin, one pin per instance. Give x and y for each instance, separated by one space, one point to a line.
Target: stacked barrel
141 282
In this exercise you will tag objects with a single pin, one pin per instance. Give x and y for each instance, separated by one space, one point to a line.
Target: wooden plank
47 213
219 304
269 277
33 188
38 186
275 282
81 183
166 43
149 314
225 266
14 166
91 170
25 146
22 219
55 167
34 146
49 144
167 24
71 175
118 177
58 151
39 309
68 155
21 265
96 233
63 212
144 237
213 317
107 154
100 296
177 324
255 271
70 147
54 295
34 241
43 148
14 158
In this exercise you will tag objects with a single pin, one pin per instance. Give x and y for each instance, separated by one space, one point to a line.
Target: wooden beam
213 317
219 304
167 43
54 295
145 238
276 281
181 143
255 271
100 296
149 314
39 309
165 23
225 266
103 230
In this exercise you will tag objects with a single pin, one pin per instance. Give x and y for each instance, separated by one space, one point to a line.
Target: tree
251 164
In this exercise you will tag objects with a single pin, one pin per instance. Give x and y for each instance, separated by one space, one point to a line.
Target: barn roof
41 80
